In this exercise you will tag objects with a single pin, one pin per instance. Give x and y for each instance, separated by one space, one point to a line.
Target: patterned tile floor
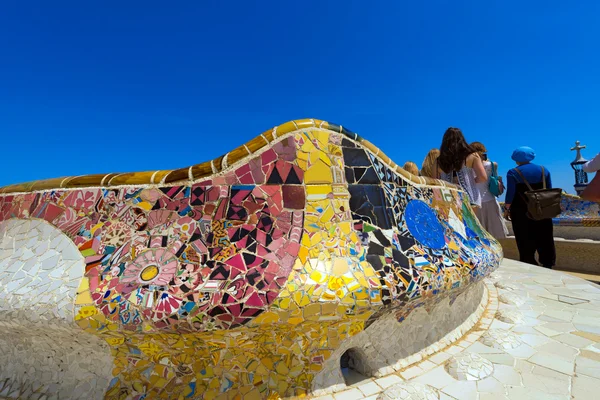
538 339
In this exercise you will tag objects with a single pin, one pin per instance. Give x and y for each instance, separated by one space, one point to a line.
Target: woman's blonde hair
428 167
479 147
411 167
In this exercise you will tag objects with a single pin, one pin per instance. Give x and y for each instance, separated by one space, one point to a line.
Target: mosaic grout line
244 282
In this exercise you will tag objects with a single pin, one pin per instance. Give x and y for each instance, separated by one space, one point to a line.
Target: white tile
523 393
588 328
427 365
497 324
439 358
560 315
388 381
559 350
444 396
550 373
553 362
453 350
585 320
585 388
352 394
546 331
369 389
546 384
463 390
573 340
411 372
560 327
492 396
481 348
525 329
522 351
535 340
506 375
490 385
437 377
588 364
504 358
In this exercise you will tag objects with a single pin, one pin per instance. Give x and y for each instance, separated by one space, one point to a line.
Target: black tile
355 157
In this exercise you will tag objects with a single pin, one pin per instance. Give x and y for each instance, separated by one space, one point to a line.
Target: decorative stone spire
581 177
578 157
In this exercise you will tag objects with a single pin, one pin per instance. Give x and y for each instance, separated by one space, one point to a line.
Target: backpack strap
525 180
494 169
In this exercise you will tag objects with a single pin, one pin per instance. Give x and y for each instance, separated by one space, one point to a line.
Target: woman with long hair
459 163
490 214
428 166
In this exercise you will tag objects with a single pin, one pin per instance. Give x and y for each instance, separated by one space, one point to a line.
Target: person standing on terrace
531 236
593 165
428 166
490 213
459 163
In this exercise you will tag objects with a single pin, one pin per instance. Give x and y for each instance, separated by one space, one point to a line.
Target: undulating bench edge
209 168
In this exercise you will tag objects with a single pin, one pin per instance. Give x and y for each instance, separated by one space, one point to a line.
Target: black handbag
541 203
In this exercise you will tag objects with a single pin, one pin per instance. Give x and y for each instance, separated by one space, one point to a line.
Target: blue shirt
533 174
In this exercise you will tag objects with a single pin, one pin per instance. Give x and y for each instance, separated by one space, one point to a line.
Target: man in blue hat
531 236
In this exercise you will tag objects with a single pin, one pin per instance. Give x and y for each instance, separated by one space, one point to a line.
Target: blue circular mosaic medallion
423 224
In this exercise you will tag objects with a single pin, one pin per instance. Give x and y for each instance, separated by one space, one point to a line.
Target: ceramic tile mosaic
469 367
501 339
236 278
577 212
409 391
547 364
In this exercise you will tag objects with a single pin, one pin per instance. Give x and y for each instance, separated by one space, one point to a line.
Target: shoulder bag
542 203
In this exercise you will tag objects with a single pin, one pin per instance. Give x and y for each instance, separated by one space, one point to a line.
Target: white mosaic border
435 354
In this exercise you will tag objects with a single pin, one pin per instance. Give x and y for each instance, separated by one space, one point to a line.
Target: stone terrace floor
538 339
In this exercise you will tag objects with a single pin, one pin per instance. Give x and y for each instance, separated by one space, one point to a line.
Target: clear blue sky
90 87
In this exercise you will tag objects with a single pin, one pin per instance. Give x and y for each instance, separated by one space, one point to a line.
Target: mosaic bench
579 219
244 277
577 212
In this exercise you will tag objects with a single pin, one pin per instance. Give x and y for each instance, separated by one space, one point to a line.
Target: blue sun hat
523 154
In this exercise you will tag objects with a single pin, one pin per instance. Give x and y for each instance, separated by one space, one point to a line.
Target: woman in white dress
490 214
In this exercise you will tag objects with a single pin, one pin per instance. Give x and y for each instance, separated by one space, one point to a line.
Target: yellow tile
83 293
253 395
301 299
308 146
340 266
282 386
318 173
302 255
286 128
267 317
315 239
322 137
315 192
325 158
345 227
318 277
327 215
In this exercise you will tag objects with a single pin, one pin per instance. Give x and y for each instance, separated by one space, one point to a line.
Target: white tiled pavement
539 338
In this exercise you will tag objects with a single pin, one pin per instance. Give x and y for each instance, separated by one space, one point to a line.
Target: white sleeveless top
484 187
466 179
